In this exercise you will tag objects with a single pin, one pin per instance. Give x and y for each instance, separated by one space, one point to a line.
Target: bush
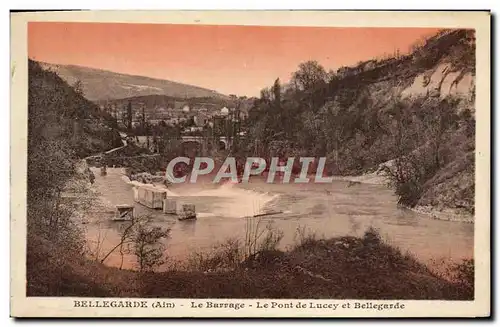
233 253
462 274
227 255
372 237
304 237
148 249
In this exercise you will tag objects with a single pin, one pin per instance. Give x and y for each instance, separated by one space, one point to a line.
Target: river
326 210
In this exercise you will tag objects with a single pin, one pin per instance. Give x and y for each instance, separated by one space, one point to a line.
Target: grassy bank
345 267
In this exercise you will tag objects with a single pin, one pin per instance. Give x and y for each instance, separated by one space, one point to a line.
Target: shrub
148 248
462 274
372 237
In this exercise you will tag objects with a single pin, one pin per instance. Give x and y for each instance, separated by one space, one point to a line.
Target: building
224 111
193 129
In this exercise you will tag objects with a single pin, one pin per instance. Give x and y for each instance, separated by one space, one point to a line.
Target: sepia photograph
338 167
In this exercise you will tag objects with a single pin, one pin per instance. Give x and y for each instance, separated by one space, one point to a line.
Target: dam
149 196
154 197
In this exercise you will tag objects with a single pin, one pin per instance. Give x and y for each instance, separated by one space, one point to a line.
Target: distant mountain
100 84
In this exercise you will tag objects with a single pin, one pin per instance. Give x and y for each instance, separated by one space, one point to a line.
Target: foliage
148 248
358 120
235 253
309 75
259 239
424 129
463 276
63 127
372 237
304 237
141 240
56 119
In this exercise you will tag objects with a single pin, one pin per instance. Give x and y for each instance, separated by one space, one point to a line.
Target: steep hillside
58 113
441 66
63 127
434 87
415 111
100 84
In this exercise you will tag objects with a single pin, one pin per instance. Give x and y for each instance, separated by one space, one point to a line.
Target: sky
237 60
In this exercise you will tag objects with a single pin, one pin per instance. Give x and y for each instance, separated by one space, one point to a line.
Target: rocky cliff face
443 80
441 66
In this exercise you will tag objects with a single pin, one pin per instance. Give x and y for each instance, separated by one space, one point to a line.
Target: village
194 118
145 126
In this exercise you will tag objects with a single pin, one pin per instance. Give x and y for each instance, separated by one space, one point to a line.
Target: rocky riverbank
448 214
439 211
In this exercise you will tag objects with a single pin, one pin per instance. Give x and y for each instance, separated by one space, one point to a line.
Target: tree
148 249
330 76
309 75
422 127
276 90
143 120
438 122
78 87
265 95
129 116
53 171
127 236
145 242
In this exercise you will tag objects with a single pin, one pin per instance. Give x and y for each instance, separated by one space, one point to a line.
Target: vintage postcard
250 164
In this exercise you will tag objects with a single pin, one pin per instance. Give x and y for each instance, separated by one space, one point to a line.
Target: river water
326 210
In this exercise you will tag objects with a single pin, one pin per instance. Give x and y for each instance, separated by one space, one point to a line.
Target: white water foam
204 214
234 202
170 193
237 202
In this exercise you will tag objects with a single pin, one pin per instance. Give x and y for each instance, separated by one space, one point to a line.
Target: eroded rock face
442 81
